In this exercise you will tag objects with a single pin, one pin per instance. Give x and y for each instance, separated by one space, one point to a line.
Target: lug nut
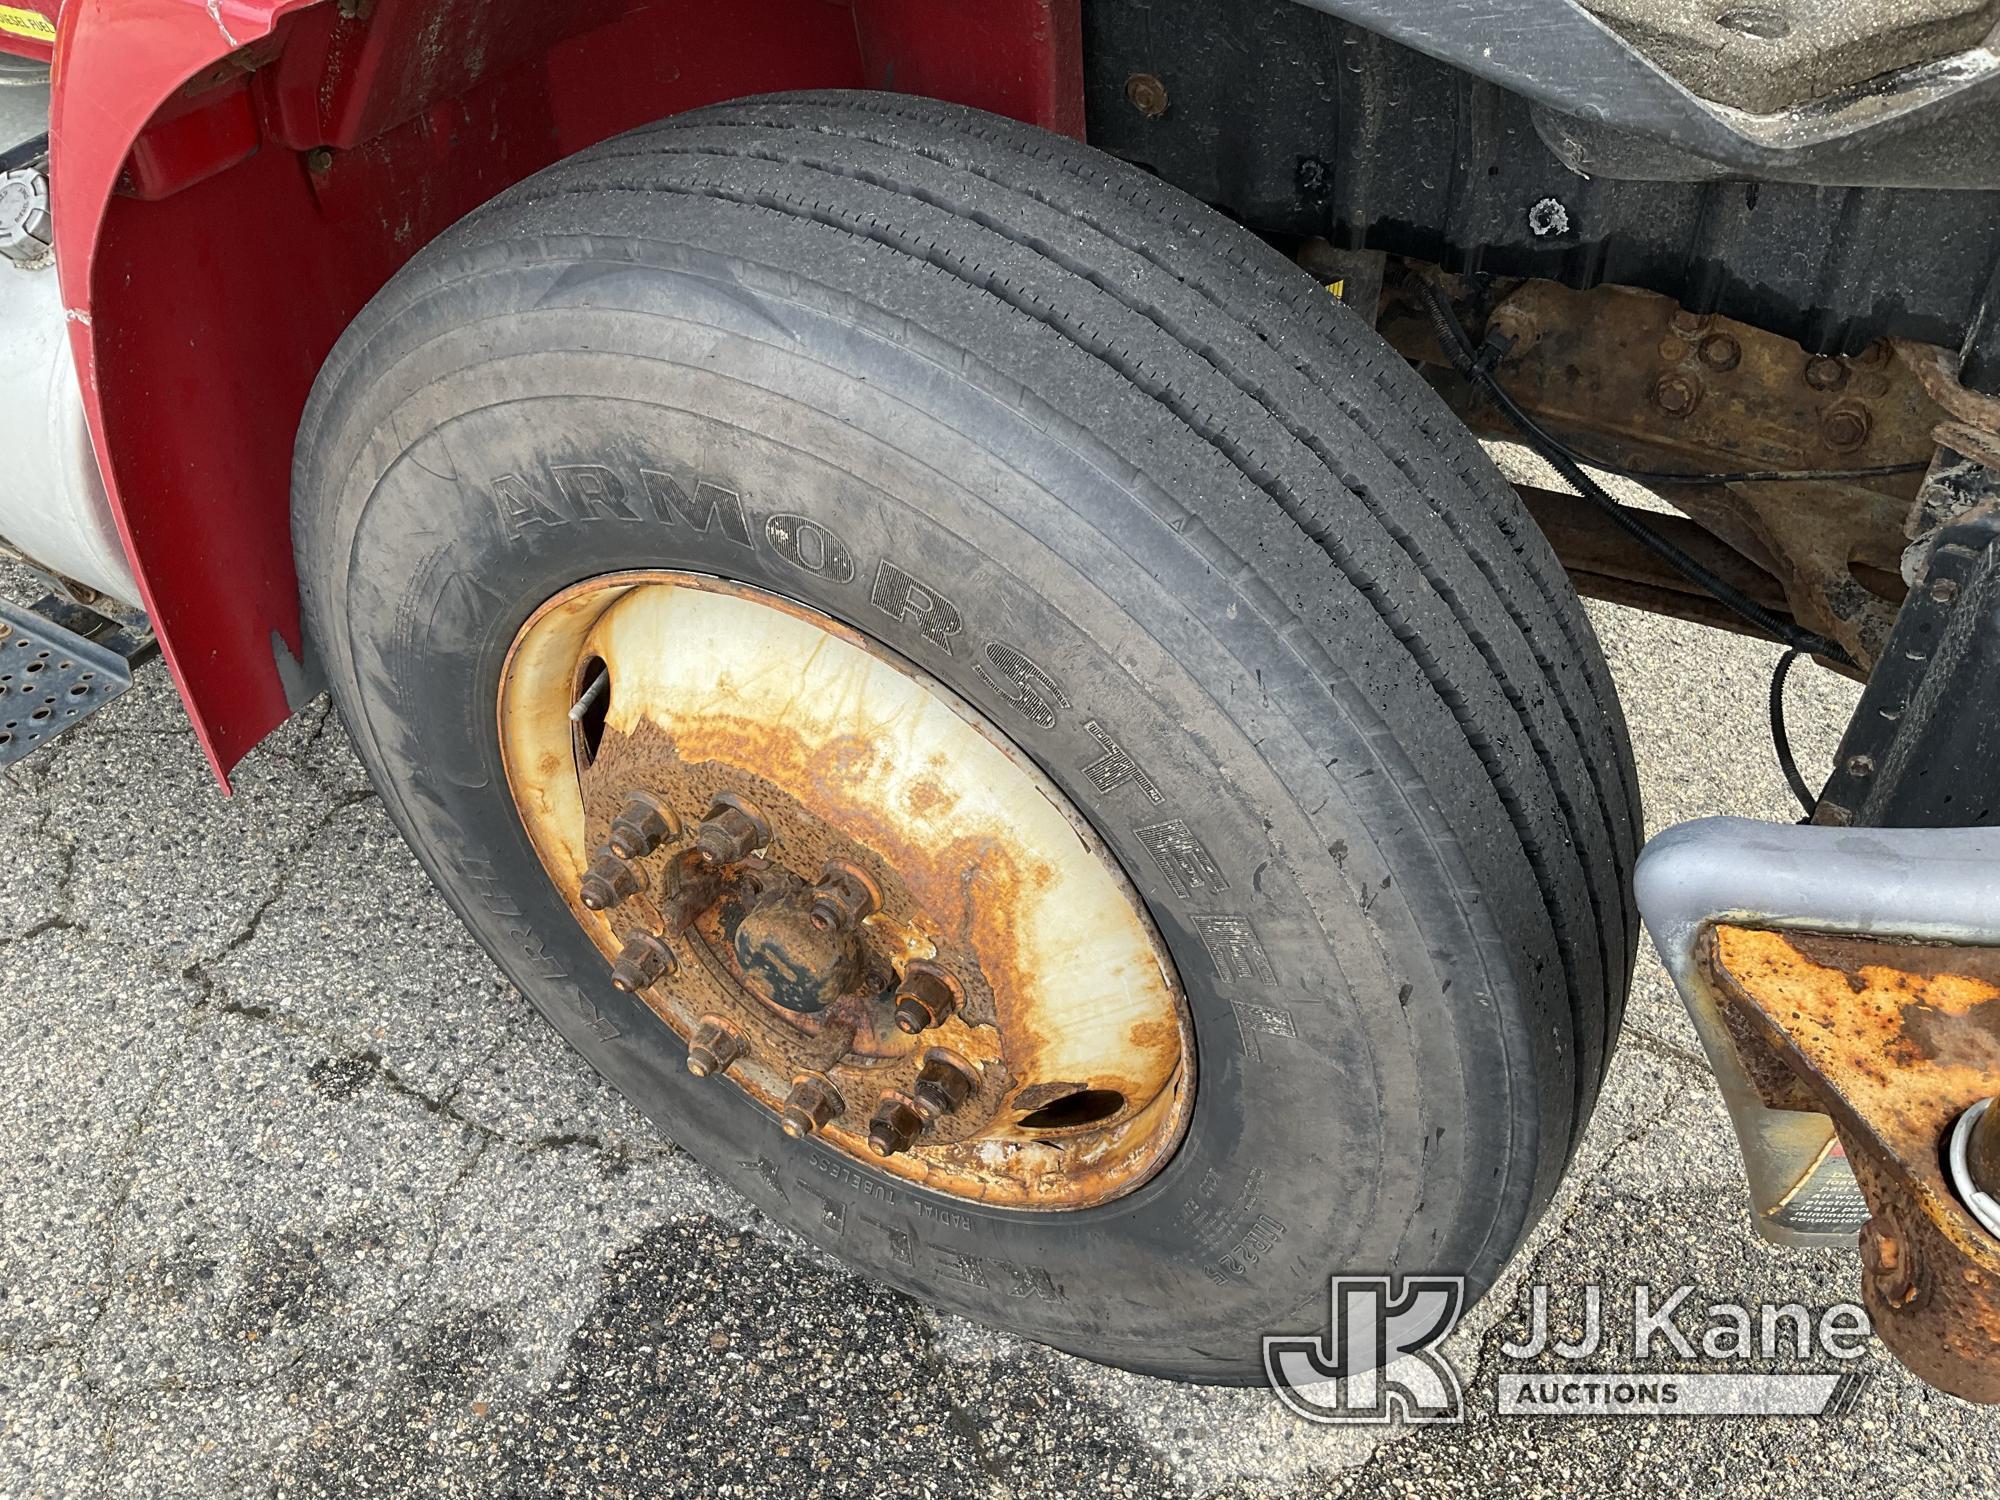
731 831
641 826
643 962
714 1046
843 897
811 1103
608 881
926 998
943 1083
895 1127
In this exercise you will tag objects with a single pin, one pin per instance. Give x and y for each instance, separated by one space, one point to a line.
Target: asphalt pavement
299 1198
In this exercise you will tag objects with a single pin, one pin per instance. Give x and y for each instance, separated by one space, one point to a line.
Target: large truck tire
1271 775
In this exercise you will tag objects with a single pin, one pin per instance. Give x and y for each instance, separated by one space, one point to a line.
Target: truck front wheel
992 708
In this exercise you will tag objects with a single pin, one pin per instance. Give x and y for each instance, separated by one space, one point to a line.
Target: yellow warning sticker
27 23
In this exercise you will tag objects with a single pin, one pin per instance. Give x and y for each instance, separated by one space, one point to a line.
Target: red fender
233 179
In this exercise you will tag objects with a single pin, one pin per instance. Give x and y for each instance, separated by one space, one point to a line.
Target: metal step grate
59 663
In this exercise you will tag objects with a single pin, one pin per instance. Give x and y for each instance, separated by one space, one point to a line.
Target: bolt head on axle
843 897
732 831
792 961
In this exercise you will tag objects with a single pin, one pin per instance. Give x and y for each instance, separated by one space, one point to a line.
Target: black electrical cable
1473 364
1744 476
1781 741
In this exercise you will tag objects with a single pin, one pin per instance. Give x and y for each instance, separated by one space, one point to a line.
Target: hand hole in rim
1084 1107
591 709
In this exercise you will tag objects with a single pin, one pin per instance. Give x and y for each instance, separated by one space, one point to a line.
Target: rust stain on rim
982 868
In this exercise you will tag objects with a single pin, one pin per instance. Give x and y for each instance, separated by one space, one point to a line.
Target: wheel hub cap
845 890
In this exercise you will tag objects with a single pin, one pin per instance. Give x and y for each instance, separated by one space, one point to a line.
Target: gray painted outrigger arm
1932 123
1937 884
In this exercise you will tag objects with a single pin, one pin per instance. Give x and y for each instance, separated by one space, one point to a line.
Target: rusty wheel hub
846 891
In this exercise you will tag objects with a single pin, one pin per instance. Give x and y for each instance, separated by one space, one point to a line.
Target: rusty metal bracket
1845 984
1895 1042
1650 387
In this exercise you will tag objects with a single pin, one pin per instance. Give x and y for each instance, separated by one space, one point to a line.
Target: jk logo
1375 1362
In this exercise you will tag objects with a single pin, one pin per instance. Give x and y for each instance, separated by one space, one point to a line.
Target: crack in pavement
442 1105
1671 1053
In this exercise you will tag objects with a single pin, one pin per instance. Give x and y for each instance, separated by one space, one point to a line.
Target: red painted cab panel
233 179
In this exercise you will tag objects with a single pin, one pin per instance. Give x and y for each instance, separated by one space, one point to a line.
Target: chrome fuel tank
53 508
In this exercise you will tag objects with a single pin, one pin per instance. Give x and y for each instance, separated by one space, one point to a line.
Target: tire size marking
1221 1214
1234 950
1184 861
492 894
905 1246
1258 1241
1116 767
1219 1203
